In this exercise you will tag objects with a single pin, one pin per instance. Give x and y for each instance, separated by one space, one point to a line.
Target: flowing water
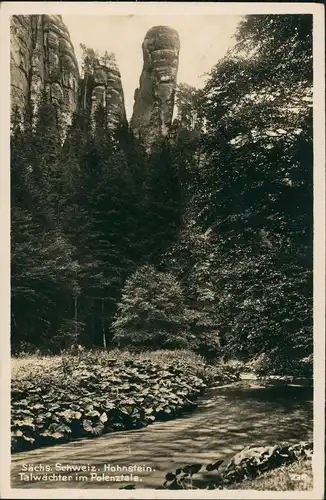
225 421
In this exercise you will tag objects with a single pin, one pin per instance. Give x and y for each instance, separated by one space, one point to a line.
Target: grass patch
297 476
28 366
59 398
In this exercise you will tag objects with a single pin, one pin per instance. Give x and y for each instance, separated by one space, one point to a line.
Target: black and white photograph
163 269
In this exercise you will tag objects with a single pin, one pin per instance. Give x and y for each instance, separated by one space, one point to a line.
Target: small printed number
299 477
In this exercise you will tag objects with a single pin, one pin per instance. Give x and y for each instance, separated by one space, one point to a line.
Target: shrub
152 312
277 362
89 393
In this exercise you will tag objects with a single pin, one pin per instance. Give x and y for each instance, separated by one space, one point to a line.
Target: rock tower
103 87
154 99
42 57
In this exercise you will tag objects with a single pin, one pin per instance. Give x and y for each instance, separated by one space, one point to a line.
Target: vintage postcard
163 250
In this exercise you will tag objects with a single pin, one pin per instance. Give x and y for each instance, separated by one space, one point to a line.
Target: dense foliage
152 312
86 394
204 242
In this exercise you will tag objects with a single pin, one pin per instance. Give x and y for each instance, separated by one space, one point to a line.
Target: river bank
223 423
56 399
246 468
297 476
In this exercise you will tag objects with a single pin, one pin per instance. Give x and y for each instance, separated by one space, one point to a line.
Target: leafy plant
45 412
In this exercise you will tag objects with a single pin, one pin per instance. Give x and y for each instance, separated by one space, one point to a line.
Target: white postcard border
171 8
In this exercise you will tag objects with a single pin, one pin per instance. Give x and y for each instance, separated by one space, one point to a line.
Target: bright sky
204 40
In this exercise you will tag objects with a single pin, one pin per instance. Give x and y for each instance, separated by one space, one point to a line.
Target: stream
226 420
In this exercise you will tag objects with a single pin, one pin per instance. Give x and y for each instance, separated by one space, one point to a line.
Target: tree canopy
203 242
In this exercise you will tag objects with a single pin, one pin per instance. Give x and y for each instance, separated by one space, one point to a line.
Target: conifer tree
107 211
43 269
152 312
163 191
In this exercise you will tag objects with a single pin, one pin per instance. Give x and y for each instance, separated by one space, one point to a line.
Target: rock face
42 57
154 99
102 87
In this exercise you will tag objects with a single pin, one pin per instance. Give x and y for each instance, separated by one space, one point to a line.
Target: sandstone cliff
102 87
154 99
42 57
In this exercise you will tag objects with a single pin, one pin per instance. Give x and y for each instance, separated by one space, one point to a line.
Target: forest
202 243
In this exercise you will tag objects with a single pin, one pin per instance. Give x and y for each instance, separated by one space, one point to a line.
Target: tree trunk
76 319
85 90
93 323
103 326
